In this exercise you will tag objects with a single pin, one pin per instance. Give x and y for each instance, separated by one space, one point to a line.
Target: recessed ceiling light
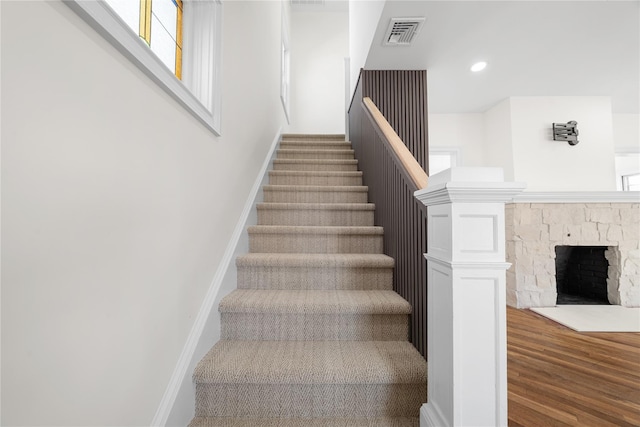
478 66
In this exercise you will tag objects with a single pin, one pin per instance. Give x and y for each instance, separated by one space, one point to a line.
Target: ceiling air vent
402 31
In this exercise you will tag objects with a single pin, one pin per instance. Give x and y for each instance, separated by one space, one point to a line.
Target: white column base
430 416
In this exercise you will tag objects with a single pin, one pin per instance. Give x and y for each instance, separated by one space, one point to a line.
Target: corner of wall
498 138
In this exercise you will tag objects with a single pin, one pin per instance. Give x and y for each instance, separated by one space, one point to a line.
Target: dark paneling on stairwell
401 96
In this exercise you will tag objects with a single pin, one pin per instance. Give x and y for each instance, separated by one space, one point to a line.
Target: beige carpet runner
314 335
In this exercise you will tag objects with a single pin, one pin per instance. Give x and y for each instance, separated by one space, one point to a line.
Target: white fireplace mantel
577 197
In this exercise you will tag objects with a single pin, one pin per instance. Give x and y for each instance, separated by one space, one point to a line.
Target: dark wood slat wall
401 96
391 189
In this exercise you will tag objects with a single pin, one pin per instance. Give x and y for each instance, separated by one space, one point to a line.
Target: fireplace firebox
581 274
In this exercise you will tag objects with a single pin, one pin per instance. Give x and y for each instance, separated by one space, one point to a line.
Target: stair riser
305 138
316 155
278 196
305 401
314 327
314 217
318 145
275 179
314 166
298 278
315 243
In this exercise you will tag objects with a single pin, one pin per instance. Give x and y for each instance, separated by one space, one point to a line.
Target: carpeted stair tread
315 154
314 315
316 173
318 230
315 271
353 162
304 422
316 165
316 145
315 260
311 151
316 214
312 137
318 206
368 207
318 188
315 194
312 362
315 239
314 302
324 178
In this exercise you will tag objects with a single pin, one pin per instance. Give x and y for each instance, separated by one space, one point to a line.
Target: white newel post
466 297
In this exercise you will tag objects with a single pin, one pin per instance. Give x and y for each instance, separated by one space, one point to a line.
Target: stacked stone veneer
533 230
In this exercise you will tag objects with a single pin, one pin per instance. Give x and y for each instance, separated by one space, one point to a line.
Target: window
442 158
159 24
627 170
168 40
631 182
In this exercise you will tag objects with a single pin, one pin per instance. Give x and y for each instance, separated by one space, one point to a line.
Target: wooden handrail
415 171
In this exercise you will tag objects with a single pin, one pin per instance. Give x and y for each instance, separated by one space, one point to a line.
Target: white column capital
468 185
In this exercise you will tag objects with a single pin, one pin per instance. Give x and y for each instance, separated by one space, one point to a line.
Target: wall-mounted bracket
566 132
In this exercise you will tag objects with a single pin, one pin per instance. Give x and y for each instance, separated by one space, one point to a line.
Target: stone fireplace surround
538 222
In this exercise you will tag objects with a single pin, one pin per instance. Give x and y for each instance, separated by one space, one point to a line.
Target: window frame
625 180
454 154
624 171
107 23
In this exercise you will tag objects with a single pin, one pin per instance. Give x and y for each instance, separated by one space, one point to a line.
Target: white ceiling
534 48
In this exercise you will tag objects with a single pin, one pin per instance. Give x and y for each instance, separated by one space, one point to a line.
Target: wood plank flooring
559 377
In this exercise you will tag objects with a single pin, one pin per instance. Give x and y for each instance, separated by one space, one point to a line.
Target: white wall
626 132
548 165
498 138
319 44
463 132
363 22
626 139
117 206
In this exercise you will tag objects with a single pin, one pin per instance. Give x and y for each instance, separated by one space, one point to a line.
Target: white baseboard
181 377
431 416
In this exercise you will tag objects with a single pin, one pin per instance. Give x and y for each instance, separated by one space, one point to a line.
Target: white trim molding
285 62
431 415
469 265
577 197
469 185
99 15
627 151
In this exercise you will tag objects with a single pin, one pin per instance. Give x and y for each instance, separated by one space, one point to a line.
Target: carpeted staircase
314 335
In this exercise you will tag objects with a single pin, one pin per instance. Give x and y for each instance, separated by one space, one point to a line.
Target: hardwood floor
559 377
